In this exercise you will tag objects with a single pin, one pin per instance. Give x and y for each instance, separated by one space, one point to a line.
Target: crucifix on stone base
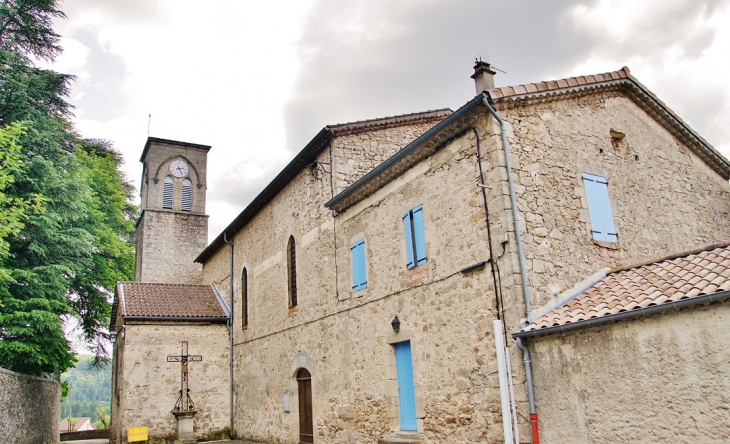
184 409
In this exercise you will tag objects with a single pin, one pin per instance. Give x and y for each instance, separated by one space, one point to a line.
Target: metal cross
184 402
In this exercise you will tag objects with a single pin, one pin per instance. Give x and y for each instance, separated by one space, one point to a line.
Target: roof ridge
566 82
670 257
163 283
397 116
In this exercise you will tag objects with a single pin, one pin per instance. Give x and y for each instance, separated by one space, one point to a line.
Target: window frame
291 266
168 193
244 299
187 186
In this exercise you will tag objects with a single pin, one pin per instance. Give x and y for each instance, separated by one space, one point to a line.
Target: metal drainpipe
230 336
525 293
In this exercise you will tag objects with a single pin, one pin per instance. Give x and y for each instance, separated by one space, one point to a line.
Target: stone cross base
185 433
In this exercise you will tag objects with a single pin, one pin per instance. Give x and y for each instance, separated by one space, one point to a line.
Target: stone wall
148 386
664 199
347 337
29 409
659 379
167 244
357 153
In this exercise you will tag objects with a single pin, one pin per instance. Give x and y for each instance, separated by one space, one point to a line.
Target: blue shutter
359 280
409 238
599 208
418 235
606 214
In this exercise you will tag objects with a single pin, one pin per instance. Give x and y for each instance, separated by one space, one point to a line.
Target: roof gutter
721 296
408 149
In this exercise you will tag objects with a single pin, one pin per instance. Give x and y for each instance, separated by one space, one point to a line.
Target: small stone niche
619 143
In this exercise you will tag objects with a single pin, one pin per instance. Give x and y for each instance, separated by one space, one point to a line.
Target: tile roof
362 126
165 301
690 277
551 85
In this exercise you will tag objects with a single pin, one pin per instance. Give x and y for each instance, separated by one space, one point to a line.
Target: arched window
291 262
187 195
167 192
244 299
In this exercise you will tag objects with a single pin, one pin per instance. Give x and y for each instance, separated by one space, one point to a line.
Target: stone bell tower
173 227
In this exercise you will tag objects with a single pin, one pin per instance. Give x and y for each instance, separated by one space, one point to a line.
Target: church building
391 282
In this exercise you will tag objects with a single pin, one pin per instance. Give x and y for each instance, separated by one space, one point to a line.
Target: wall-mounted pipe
523 273
230 336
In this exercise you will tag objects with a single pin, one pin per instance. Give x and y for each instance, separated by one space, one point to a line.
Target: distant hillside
89 389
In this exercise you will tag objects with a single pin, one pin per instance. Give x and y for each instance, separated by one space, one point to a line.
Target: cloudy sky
257 80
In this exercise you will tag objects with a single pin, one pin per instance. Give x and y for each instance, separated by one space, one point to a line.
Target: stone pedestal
185 433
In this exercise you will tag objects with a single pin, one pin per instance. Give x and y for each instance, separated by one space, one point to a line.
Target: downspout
506 390
521 256
230 337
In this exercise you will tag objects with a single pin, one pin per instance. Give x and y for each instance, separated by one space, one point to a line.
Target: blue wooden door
406 394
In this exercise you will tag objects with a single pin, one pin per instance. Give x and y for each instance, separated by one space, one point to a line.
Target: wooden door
306 427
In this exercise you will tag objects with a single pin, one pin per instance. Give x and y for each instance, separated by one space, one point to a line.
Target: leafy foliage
26 27
64 205
110 220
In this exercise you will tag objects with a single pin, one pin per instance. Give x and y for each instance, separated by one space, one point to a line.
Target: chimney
483 76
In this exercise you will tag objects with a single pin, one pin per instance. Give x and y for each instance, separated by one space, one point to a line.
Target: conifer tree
64 203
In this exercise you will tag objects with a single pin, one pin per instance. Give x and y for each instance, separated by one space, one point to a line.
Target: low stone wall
29 409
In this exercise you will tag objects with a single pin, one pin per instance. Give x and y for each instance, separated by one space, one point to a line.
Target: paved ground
106 441
87 441
233 442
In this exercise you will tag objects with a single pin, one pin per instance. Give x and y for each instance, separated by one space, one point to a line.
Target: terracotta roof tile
168 300
671 279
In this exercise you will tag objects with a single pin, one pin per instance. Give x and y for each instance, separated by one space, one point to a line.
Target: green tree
13 211
26 27
66 241
110 218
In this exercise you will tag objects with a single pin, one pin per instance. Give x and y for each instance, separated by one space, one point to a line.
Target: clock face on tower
179 168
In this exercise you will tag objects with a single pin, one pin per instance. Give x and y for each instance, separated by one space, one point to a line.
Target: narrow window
415 240
359 279
167 192
599 208
291 259
244 299
187 195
